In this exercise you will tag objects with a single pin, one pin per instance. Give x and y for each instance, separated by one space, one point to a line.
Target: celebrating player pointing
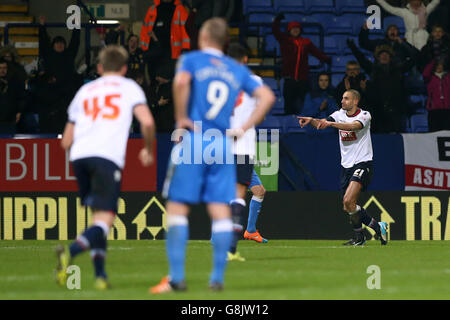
355 143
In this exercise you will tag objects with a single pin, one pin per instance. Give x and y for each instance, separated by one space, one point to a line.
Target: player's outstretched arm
316 123
145 118
67 138
265 100
354 126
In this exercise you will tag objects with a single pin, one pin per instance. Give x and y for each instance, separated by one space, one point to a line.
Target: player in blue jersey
205 89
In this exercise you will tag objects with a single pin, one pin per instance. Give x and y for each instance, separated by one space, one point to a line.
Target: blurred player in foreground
100 116
205 89
244 150
356 160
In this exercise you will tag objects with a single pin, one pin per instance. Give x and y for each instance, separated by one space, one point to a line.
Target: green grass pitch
278 270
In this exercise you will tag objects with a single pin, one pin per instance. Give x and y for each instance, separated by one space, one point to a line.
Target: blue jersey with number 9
215 85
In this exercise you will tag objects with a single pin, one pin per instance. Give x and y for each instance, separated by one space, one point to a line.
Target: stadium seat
417 103
271 44
339 25
272 83
289 124
357 20
341 40
387 21
419 122
331 45
336 78
293 16
317 6
313 62
270 122
315 39
289 6
257 6
339 63
343 6
321 18
260 17
278 107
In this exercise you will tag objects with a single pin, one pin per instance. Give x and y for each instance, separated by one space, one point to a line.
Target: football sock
255 207
176 241
98 250
237 212
355 220
89 239
369 221
222 234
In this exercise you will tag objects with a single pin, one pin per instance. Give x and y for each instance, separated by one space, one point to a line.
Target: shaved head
214 31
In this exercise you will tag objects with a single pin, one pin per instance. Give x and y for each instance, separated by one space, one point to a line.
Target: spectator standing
414 16
12 99
437 47
15 69
385 92
437 79
136 57
59 82
402 49
161 100
164 32
295 70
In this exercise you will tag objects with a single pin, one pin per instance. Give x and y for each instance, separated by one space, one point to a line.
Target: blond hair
113 58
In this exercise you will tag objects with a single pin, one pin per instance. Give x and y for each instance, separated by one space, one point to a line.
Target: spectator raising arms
415 18
60 81
392 38
385 92
437 79
437 47
295 51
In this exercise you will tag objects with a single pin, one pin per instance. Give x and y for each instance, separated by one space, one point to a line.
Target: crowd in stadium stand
36 102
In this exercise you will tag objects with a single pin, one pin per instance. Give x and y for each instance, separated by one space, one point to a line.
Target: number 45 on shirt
110 110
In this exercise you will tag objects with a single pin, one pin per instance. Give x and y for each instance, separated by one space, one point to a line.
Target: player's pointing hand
304 121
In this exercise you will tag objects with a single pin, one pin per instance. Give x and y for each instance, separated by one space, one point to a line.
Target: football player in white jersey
244 150
96 134
356 160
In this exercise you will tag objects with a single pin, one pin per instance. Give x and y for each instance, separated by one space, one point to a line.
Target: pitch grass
278 270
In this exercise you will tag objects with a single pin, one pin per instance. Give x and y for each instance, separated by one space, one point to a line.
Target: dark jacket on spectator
355 83
295 52
12 99
401 50
59 65
385 92
15 69
434 49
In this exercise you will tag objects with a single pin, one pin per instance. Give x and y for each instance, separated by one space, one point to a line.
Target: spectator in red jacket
437 79
295 51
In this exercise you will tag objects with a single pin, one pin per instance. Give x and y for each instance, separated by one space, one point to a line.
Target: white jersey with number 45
102 112
245 105
356 146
